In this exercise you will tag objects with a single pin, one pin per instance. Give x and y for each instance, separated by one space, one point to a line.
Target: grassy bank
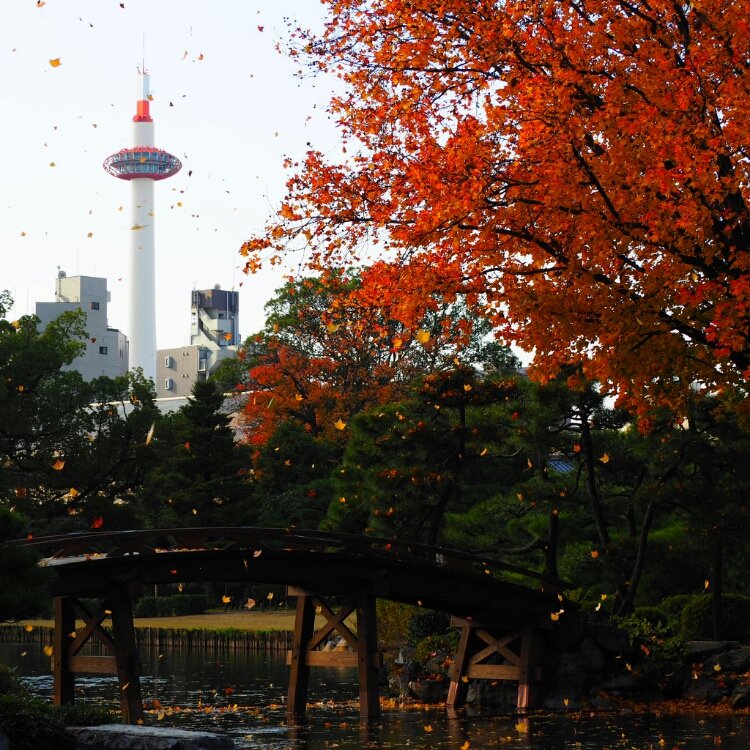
251 621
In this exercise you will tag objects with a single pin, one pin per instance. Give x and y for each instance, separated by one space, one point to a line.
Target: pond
242 694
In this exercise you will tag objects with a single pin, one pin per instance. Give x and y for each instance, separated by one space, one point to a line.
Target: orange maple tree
576 170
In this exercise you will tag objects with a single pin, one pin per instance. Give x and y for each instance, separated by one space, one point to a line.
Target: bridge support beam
314 648
122 658
486 652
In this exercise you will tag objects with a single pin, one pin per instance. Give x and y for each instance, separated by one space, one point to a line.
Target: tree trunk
597 511
717 612
626 605
550 547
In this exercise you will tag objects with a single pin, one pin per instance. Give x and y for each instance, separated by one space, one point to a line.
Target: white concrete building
214 337
106 348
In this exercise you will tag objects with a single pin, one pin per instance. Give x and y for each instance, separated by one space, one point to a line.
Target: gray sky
236 110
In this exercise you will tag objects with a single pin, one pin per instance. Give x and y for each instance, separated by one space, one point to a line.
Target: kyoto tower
142 164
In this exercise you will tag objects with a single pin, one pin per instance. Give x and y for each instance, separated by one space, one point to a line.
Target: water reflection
242 695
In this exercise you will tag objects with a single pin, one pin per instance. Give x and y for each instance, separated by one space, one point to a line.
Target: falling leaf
484 452
566 701
22 491
628 666
59 465
577 448
136 227
28 628
257 552
428 728
200 57
342 500
48 650
554 616
55 62
97 523
604 459
269 596
466 745
706 583
73 634
226 599
422 336
333 327
150 435
522 726
467 387
160 714
186 445
90 235
250 603
23 234
40 3
73 492
594 553
339 424
260 28
298 397
646 650
717 667
195 511
228 336
52 164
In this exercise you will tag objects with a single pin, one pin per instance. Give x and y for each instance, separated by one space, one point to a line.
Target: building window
103 350
168 361
93 305
169 384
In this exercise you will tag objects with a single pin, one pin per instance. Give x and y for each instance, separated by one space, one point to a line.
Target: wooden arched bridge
499 617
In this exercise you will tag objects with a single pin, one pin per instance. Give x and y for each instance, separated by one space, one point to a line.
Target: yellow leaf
604 459
136 227
90 235
484 452
333 327
428 728
398 343
226 599
717 667
48 650
28 628
522 726
59 465
466 745
52 164
554 616
467 387
339 424
55 62
629 667
566 701
73 492
269 596
150 435
422 336
160 714
706 583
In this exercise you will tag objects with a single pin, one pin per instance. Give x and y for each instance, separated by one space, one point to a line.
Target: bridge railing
155 541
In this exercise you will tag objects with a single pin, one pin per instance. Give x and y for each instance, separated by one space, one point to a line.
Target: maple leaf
98 522
55 62
422 336
226 599
339 424
250 603
59 465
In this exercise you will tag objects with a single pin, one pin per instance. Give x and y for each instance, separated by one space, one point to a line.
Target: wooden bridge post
481 641
306 652
63 677
299 673
367 653
126 656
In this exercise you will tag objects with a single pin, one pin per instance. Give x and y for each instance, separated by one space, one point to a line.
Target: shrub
10 682
31 724
672 606
442 646
393 623
167 606
425 622
696 620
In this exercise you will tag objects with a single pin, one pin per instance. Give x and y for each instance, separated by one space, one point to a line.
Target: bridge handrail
139 541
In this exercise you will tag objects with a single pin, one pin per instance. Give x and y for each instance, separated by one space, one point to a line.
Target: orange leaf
59 465
55 62
97 523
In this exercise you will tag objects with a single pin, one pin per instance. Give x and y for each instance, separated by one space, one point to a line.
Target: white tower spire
142 164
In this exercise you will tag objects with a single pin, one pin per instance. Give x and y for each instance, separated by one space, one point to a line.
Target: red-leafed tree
576 170
321 358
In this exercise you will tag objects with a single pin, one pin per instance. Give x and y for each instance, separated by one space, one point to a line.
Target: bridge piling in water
305 652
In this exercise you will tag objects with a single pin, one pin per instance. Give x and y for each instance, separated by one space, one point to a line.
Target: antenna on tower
143 54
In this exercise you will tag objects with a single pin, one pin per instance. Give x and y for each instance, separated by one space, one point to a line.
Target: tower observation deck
142 164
